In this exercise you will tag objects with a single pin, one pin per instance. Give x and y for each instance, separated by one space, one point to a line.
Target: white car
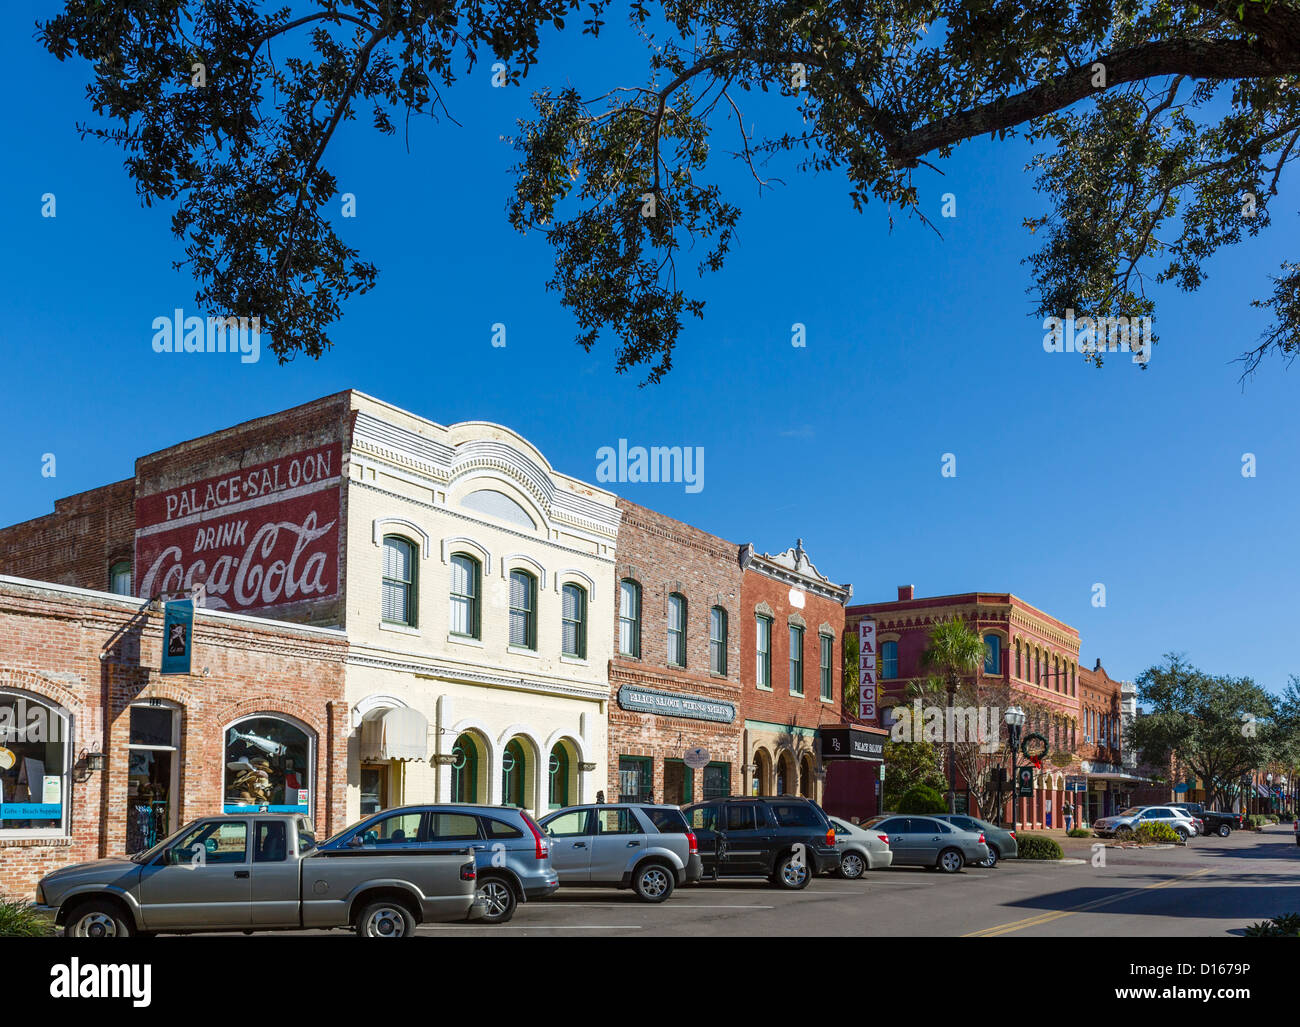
860 850
1124 824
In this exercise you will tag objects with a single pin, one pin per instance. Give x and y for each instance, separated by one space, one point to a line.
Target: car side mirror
355 842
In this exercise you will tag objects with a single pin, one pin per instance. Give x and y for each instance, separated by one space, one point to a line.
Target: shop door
151 776
374 788
677 783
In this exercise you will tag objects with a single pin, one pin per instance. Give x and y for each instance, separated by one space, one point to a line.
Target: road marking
1046 918
623 905
536 927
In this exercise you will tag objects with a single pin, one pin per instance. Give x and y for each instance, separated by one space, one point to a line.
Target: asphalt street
1211 887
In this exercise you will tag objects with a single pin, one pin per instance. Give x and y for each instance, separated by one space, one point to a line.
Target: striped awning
395 733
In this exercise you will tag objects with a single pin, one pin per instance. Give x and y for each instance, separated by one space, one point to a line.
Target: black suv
785 839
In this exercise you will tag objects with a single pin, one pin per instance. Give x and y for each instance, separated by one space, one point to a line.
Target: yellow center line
1056 914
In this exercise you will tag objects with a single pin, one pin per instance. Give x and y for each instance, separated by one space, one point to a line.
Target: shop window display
34 765
268 765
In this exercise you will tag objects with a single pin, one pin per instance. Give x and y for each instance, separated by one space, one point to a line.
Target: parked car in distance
263 872
1123 825
785 839
511 852
929 842
649 849
1215 821
1000 840
860 850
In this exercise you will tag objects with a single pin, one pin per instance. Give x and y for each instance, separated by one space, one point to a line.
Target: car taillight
693 843
830 837
982 841
1012 833
542 849
467 872
884 838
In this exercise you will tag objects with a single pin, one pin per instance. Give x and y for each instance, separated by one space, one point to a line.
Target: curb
1067 862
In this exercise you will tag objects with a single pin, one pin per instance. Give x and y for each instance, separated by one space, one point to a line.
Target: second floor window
398 601
629 618
466 588
119 578
763 665
676 630
888 660
827 662
796 660
718 640
992 654
523 610
575 621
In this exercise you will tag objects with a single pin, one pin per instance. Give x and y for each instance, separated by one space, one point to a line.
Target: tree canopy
1163 128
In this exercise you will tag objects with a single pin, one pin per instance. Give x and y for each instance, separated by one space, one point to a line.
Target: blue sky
1067 475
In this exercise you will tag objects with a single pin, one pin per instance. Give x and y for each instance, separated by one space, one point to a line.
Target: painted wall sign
669 704
257 537
867 669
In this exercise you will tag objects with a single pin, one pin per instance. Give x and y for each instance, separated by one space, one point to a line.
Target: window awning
395 733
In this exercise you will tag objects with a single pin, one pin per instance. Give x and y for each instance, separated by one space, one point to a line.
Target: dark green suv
784 839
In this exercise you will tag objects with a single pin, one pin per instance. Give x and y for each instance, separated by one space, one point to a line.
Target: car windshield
877 820
1132 811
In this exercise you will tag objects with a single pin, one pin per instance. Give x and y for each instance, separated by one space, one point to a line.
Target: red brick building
80 686
1031 658
791 623
675 676
1111 785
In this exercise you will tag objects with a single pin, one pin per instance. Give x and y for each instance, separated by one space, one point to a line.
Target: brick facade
76 544
93 655
665 556
781 751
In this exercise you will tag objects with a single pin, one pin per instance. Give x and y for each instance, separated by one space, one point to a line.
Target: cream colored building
478 591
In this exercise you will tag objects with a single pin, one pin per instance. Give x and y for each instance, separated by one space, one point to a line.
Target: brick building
791 623
675 675
79 676
1111 786
1031 658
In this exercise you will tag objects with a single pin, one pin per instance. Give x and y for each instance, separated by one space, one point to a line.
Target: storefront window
464 770
558 791
151 780
717 780
35 763
268 763
635 779
512 774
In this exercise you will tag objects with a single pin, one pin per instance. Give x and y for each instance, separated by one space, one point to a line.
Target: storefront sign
257 537
178 637
696 758
1076 784
31 811
846 743
867 669
669 704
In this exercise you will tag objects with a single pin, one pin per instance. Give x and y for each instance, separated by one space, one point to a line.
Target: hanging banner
867 669
178 636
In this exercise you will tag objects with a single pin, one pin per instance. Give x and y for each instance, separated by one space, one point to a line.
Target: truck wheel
951 861
499 900
1224 830
790 874
97 919
852 866
653 882
385 919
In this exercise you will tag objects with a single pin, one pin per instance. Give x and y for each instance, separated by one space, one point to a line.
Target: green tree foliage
908 764
1162 129
851 692
920 799
1220 727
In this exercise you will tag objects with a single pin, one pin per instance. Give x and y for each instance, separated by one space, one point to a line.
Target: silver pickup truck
260 872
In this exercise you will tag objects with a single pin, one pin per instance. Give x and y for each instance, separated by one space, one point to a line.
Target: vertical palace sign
258 537
867 669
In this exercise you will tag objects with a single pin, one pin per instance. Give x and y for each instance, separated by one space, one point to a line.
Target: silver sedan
860 850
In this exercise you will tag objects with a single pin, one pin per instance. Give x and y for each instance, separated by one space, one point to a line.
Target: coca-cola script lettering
251 548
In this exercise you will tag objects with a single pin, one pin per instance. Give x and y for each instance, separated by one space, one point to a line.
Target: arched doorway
558 769
465 769
806 777
762 773
514 770
785 774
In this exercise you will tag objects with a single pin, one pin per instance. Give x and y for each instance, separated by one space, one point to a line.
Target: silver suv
650 849
511 852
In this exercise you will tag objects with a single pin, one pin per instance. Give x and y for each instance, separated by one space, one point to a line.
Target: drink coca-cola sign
256 537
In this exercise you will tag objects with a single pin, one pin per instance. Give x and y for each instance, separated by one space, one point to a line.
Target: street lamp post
1015 718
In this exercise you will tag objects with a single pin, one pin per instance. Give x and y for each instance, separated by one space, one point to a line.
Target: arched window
35 773
629 618
992 654
399 581
718 640
513 769
558 788
268 763
676 630
1018 668
888 660
523 610
574 642
806 777
466 596
119 578
464 769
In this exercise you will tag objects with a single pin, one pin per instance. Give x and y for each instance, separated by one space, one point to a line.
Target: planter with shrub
1079 832
1285 926
922 799
1038 846
1157 834
19 919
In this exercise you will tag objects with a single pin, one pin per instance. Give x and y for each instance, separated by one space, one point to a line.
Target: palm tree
954 652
